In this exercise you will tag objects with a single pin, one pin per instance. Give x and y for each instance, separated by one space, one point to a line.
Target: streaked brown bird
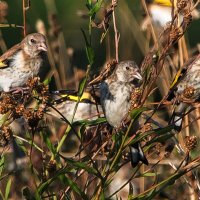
185 89
21 62
115 97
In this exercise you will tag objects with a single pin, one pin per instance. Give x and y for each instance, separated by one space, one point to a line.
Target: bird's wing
8 54
64 95
181 75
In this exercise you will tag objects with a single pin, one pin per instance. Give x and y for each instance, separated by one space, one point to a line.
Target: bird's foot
18 90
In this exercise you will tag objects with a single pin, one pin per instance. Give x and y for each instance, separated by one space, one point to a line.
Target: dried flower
190 142
6 136
188 92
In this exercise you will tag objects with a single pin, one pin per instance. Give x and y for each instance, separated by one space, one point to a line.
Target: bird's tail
177 116
137 155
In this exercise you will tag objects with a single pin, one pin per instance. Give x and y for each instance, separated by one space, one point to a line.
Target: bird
115 97
22 62
184 90
65 101
161 13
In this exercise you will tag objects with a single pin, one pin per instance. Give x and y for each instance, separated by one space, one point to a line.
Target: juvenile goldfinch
185 89
22 61
115 98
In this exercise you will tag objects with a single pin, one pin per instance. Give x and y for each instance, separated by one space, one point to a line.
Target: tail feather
137 155
177 116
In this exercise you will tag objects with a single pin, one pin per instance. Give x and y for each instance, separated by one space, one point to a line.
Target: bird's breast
116 102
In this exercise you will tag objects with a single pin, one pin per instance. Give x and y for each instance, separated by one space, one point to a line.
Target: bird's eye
127 68
33 41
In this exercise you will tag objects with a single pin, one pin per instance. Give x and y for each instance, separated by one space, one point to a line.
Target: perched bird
65 102
22 62
161 13
184 90
115 95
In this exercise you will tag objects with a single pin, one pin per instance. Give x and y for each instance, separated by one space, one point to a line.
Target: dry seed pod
51 166
190 142
188 92
6 136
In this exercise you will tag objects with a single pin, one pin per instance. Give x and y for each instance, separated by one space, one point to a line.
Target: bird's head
34 44
128 71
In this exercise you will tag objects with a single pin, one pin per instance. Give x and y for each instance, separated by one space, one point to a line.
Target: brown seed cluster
6 135
135 96
190 142
183 4
51 166
188 92
16 103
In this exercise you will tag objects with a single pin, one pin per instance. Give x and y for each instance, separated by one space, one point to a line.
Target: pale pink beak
42 47
137 76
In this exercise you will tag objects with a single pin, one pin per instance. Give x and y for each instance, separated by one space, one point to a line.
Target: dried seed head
6 136
182 4
51 166
33 82
188 92
135 96
187 19
19 109
40 112
30 115
190 142
158 148
3 108
147 127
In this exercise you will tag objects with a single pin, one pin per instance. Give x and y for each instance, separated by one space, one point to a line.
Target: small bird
21 62
161 13
184 90
66 101
115 96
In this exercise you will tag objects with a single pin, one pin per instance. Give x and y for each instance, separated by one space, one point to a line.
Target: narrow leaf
8 186
96 8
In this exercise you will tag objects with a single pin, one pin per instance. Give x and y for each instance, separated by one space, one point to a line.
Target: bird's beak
137 76
42 47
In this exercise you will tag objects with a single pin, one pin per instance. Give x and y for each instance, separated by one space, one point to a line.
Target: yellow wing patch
163 2
176 78
85 96
2 64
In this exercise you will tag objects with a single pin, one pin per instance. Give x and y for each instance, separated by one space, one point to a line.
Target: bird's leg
22 90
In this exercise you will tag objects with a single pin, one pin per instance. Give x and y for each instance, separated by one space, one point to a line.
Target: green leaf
88 48
90 54
130 189
82 165
81 87
1 195
47 81
43 187
89 4
96 8
81 131
148 174
2 164
8 186
49 144
4 118
135 113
